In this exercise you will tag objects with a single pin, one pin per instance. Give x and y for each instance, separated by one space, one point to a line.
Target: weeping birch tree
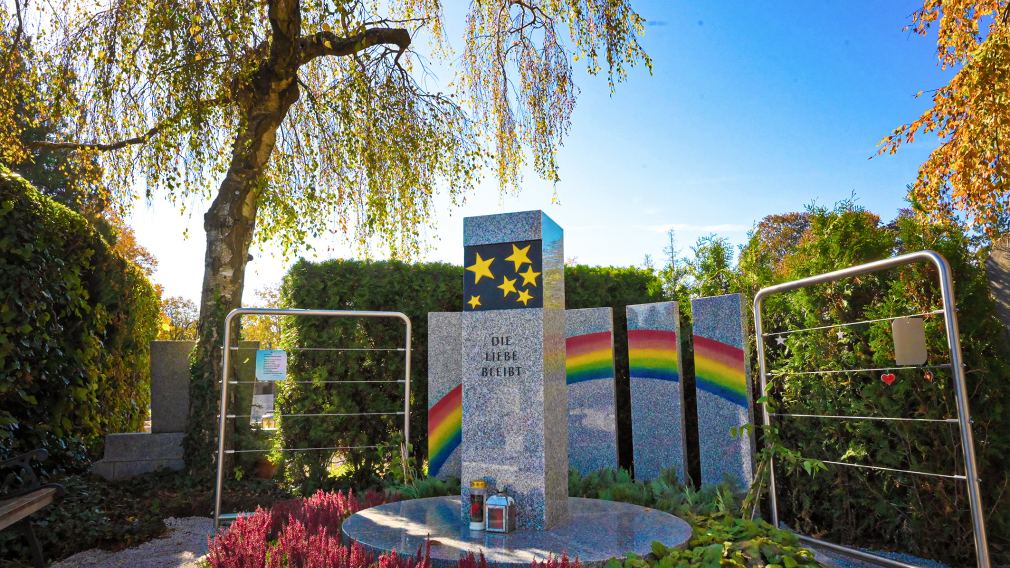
300 117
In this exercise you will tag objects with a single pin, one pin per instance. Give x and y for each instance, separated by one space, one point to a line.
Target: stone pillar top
508 227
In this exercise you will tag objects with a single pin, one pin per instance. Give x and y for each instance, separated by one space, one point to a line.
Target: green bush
352 285
76 322
414 289
924 515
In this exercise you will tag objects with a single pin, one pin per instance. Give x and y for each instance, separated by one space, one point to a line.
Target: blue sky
753 108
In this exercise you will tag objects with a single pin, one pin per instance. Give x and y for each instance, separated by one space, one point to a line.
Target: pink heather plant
244 544
305 533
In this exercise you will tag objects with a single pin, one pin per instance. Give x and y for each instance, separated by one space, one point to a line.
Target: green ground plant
723 532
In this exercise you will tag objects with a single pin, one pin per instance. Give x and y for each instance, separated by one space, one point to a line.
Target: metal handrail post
406 385
226 363
946 281
222 421
765 414
963 412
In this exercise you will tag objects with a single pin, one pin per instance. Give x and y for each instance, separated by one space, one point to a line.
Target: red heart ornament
888 378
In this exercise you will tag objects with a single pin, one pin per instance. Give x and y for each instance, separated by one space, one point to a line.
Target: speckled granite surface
514 397
444 378
594 532
592 407
657 400
722 382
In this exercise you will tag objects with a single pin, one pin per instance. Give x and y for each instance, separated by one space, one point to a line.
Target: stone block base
129 455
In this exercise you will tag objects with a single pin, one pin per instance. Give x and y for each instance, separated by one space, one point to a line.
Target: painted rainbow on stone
719 369
589 357
652 354
445 429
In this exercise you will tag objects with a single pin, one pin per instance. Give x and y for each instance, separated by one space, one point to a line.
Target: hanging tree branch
139 139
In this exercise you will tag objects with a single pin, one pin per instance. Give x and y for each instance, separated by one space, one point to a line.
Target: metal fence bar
855 553
325 349
870 370
882 418
946 281
322 414
313 382
298 449
895 470
226 374
850 323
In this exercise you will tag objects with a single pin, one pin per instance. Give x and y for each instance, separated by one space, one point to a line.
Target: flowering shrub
305 533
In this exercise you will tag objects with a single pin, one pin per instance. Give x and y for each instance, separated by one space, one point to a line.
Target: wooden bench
23 495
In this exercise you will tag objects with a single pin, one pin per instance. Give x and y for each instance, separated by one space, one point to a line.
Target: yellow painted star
481 268
524 297
474 302
529 277
507 285
519 256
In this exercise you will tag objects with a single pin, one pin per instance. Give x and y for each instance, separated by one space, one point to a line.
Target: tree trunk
263 102
229 224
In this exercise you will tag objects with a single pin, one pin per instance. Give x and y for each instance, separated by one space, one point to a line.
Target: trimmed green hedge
76 322
924 515
414 289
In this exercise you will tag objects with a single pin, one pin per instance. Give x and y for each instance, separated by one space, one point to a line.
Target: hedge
76 322
924 515
414 289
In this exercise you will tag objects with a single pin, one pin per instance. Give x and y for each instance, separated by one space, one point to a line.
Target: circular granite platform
595 532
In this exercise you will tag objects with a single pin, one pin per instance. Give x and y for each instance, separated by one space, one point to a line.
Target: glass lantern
500 513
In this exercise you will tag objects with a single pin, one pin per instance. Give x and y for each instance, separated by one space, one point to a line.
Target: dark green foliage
76 322
724 540
665 493
113 515
721 537
351 285
424 488
928 516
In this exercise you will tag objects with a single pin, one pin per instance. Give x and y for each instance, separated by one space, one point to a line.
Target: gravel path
183 547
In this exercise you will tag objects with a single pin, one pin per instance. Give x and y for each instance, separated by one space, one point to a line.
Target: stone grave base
595 532
137 453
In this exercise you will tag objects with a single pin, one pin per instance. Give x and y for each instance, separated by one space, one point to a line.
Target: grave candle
478 488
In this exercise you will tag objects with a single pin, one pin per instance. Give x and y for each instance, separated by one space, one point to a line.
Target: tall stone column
515 400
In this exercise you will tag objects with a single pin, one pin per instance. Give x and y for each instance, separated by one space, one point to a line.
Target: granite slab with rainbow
592 405
657 398
445 394
723 390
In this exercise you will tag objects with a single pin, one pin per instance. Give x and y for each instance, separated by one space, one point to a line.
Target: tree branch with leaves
302 118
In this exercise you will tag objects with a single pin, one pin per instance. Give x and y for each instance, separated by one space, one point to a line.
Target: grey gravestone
170 385
998 270
657 399
722 386
592 407
445 405
515 401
